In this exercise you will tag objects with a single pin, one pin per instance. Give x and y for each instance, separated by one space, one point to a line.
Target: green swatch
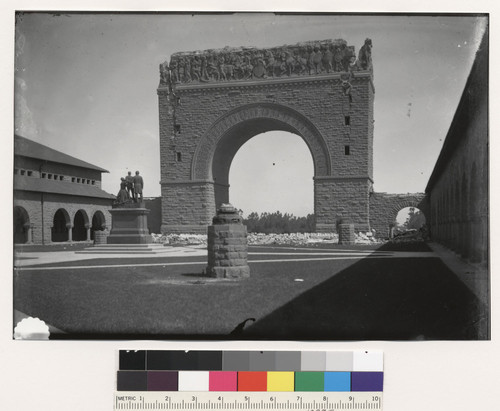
309 381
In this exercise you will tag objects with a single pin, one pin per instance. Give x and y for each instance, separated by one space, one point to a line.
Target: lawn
393 298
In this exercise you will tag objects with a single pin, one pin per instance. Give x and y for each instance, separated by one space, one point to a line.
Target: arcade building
57 197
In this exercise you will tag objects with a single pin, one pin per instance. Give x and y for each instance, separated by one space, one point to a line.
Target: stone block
235 241
227 245
229 272
346 234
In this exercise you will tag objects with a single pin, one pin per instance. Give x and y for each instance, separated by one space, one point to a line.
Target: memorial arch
212 102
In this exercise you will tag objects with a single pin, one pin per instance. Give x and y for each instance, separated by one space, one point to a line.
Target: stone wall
153 204
41 209
385 207
458 187
66 171
341 198
202 126
187 206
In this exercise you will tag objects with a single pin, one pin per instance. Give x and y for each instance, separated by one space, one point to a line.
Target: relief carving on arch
249 63
202 159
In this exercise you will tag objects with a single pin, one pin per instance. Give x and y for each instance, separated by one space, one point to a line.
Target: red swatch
252 381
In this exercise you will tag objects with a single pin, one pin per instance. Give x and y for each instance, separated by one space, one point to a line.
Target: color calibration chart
249 380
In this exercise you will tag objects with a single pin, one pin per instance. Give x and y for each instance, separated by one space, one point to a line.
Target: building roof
59 187
28 148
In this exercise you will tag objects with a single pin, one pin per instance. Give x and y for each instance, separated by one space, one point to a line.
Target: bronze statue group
130 189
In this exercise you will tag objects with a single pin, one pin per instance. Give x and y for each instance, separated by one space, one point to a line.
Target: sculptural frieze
365 56
246 63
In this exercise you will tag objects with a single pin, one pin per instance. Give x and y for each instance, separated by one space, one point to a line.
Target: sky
85 84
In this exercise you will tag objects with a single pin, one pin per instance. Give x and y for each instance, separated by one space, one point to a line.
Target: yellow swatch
280 381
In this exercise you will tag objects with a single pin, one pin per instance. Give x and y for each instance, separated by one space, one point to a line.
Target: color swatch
272 371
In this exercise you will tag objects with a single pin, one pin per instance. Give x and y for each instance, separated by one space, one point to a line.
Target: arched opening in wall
464 213
21 225
273 173
79 230
60 226
409 221
98 224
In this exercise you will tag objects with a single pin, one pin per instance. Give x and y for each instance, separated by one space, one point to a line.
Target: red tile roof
28 148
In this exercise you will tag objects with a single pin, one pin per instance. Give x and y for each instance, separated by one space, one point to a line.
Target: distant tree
278 223
415 219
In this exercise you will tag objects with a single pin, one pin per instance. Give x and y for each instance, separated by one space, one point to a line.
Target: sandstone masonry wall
458 187
32 203
343 123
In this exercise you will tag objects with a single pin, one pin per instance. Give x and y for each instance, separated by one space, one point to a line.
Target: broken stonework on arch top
245 63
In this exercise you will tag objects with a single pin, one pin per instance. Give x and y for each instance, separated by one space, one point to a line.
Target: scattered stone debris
293 239
180 239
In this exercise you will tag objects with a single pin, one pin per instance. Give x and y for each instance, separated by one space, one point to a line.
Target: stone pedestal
100 237
346 234
227 245
130 224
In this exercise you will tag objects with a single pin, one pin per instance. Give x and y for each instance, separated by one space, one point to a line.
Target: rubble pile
366 238
180 239
294 239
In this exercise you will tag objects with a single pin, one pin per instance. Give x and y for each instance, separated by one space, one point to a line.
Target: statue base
130 225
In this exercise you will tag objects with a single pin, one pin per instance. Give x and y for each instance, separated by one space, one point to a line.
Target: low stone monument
227 245
346 232
130 218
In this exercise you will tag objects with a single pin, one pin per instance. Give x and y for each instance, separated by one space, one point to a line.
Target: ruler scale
232 401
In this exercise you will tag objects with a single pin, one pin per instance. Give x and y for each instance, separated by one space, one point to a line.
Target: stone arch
22 226
464 215
223 139
456 213
61 223
80 226
399 205
442 211
385 207
474 193
474 214
98 223
219 145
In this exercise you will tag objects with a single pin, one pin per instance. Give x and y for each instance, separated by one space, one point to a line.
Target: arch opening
98 224
224 138
80 224
60 226
21 225
409 221
271 172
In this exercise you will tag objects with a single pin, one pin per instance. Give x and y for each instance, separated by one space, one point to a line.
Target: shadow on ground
386 299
